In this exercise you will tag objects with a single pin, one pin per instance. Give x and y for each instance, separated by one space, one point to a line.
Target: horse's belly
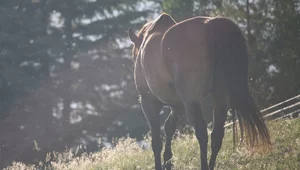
164 91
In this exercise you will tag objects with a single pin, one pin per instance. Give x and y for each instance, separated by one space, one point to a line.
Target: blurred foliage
66 70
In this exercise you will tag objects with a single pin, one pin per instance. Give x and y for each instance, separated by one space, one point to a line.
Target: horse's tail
230 52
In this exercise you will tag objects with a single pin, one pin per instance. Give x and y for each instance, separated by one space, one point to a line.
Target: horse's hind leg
170 127
195 117
151 107
220 112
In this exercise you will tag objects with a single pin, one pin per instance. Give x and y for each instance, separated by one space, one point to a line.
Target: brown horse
179 65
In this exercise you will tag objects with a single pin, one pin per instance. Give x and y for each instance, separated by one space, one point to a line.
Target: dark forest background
66 71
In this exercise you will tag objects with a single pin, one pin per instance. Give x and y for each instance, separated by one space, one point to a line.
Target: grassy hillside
128 156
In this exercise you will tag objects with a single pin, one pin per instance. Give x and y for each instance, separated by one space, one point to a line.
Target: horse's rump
208 54
186 49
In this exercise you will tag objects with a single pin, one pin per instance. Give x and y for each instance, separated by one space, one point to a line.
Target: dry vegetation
128 156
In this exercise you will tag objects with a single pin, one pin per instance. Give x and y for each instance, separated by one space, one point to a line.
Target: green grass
285 154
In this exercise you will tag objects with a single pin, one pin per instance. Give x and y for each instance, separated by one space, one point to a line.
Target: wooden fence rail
288 108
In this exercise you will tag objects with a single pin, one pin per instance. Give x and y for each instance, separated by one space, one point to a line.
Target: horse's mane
146 28
141 34
163 20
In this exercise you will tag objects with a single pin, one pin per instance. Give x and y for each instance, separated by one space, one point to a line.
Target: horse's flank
153 73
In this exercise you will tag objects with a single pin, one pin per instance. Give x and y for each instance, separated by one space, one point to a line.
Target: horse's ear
133 37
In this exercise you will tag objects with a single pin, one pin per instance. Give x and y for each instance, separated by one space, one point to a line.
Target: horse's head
159 25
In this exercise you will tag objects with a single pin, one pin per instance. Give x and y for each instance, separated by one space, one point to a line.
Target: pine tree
59 53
